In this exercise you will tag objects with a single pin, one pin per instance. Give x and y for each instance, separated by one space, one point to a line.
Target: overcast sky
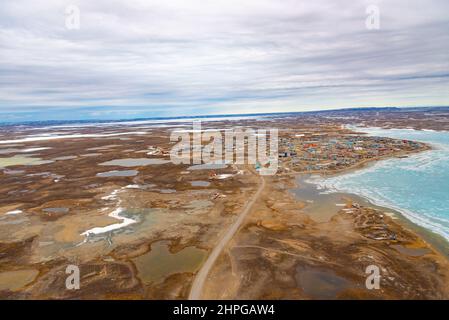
161 58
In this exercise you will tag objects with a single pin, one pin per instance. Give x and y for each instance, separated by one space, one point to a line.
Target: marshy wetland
109 200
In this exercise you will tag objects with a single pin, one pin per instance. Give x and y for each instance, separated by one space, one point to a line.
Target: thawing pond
134 162
160 263
321 283
22 161
118 173
207 166
200 183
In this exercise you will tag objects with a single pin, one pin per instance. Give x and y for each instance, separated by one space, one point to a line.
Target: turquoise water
417 186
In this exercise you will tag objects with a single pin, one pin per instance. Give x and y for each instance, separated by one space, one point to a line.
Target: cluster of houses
318 151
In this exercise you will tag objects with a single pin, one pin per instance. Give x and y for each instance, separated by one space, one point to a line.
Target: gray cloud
180 57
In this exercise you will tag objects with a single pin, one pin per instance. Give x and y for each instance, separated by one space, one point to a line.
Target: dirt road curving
201 276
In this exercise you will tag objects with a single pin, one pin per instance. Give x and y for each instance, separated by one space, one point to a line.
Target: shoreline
364 163
436 241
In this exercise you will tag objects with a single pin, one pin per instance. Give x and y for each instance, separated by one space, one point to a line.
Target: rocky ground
282 253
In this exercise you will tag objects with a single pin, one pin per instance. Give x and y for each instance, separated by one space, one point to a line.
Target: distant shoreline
51 122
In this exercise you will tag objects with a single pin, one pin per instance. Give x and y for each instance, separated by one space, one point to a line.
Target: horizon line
26 122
